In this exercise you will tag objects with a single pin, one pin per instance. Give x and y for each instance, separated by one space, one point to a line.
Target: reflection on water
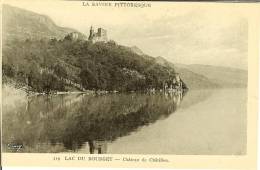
65 123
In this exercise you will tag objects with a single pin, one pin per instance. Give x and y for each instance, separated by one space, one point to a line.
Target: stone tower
99 36
91 33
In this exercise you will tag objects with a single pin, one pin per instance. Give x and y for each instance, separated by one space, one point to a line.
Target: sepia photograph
115 77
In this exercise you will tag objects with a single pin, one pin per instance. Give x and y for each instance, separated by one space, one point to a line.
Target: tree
60 71
88 79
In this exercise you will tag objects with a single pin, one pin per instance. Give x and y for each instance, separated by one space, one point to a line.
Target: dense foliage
48 65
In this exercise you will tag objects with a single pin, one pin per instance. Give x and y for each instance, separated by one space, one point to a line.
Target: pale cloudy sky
182 33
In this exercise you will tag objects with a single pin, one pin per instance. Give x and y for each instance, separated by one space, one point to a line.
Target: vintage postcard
129 84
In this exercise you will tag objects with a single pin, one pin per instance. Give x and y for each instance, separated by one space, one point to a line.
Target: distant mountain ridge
208 76
225 77
22 24
203 76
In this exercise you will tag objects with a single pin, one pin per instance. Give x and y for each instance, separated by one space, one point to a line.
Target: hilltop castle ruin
100 35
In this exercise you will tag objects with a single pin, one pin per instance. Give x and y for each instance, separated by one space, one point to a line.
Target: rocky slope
22 24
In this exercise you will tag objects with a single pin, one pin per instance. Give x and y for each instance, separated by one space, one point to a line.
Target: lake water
199 122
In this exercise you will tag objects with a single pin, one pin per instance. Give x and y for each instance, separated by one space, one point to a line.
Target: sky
187 33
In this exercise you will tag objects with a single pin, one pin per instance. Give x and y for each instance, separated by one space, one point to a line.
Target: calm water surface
200 122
